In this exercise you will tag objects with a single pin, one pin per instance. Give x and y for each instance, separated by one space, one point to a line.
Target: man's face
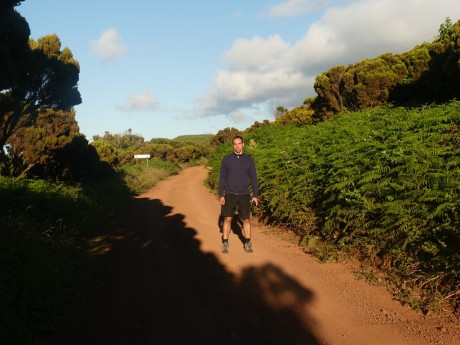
238 145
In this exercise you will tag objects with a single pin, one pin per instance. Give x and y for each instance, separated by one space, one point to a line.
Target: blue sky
177 67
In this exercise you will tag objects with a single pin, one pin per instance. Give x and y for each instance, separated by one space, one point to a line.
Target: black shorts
237 202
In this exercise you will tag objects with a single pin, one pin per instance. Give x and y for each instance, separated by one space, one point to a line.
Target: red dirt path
161 279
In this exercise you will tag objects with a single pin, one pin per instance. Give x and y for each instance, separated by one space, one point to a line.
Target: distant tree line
429 73
226 135
119 149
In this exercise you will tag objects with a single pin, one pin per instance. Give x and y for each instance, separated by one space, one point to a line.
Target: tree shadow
151 284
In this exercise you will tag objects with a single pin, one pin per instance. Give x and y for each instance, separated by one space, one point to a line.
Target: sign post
142 157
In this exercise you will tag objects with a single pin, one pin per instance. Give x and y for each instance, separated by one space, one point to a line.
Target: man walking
237 171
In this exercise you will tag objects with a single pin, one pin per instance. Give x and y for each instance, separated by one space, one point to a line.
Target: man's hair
238 137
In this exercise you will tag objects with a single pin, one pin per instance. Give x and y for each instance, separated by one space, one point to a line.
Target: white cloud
108 46
261 71
370 28
143 101
255 73
292 8
256 53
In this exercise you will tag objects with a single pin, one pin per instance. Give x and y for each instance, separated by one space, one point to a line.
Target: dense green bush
118 152
384 183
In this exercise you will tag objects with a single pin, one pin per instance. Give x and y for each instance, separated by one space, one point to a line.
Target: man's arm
222 179
253 179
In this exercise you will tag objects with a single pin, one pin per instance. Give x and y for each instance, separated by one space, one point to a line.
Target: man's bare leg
226 227
247 236
246 228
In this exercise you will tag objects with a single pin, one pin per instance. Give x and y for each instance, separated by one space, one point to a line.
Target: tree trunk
23 174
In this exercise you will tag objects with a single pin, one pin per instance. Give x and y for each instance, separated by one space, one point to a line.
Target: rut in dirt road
155 286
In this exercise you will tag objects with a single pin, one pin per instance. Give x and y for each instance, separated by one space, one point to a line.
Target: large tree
33 75
14 36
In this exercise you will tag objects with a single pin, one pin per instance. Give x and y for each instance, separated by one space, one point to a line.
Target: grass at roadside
140 177
46 229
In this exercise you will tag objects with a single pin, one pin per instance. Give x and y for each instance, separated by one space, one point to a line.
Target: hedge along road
162 279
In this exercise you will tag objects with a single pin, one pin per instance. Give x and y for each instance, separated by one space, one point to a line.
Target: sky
168 68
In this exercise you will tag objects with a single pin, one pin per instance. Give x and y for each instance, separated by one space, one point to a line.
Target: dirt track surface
161 279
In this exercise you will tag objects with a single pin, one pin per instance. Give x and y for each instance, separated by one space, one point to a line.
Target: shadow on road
151 284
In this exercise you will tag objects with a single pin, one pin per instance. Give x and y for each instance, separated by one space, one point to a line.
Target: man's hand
255 201
222 200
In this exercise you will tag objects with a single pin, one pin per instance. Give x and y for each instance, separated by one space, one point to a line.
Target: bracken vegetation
382 185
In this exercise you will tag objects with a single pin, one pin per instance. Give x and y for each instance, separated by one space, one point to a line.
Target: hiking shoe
248 247
225 247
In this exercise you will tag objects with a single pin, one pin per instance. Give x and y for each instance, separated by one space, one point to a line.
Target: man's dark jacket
236 172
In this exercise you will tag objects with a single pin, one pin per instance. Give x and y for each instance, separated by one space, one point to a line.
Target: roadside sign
142 157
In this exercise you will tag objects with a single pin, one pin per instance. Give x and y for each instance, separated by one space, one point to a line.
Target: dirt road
161 279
